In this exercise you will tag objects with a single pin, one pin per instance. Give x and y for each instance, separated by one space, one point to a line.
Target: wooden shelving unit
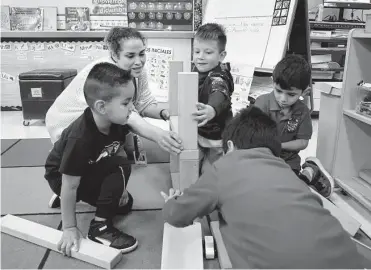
336 45
352 154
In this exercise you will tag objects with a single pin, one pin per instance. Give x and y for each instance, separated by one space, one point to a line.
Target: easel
296 30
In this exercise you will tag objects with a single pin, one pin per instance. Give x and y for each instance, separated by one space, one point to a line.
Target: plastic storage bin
39 88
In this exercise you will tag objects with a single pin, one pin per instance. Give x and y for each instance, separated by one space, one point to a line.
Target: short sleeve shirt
81 145
296 124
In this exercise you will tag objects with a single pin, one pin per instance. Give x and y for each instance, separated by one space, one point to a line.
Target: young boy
291 80
268 219
83 166
215 87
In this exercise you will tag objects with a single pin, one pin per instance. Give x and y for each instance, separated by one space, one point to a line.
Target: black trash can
39 88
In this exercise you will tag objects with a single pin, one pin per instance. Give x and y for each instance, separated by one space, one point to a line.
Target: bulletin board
19 57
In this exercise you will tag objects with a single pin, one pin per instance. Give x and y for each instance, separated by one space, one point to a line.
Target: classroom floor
25 193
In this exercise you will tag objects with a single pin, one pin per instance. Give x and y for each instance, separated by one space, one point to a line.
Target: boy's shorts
90 183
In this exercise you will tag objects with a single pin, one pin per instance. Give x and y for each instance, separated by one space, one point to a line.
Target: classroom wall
312 4
54 3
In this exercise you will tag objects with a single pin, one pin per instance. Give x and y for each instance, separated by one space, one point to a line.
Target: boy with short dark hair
291 81
268 219
83 164
215 90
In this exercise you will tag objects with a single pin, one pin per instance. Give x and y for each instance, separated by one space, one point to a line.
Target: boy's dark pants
102 186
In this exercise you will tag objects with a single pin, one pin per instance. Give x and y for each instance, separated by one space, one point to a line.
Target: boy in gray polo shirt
268 219
291 80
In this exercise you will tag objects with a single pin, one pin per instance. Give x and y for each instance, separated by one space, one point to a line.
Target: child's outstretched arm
198 200
71 234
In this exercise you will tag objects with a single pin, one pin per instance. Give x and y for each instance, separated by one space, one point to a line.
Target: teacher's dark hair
116 34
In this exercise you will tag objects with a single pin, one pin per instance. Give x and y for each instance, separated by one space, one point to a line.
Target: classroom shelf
365 174
359 117
361 34
329 39
327 50
92 34
353 131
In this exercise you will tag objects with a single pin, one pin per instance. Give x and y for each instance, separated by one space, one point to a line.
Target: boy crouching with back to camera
83 164
215 88
268 218
291 80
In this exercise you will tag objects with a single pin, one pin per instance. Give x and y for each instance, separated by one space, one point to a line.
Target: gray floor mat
19 254
27 153
6 143
24 190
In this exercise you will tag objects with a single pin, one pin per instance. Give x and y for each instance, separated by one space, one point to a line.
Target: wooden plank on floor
224 261
348 205
348 223
47 237
182 247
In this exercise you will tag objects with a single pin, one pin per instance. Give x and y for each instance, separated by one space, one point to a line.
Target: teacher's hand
169 141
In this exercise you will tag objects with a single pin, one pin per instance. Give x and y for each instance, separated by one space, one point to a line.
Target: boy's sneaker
318 177
104 233
55 201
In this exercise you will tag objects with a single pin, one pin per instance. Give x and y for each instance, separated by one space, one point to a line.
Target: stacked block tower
183 97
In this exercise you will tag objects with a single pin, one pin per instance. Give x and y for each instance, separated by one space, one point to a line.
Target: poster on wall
26 19
243 76
170 15
157 65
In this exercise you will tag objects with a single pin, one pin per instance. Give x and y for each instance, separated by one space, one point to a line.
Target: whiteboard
257 31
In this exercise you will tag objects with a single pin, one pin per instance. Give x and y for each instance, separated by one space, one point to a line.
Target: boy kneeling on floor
84 165
268 219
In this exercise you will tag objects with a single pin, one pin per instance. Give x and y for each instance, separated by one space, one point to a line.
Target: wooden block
47 237
224 261
174 163
188 98
189 154
182 247
174 123
363 198
174 68
175 180
344 204
347 222
188 172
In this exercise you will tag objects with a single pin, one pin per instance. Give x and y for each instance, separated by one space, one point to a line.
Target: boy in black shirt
83 164
215 88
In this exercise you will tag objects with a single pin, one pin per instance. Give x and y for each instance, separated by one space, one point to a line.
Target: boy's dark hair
292 71
212 31
116 34
252 128
104 82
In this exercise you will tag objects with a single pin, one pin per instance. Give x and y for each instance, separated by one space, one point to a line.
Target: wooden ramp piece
349 224
41 235
224 261
182 247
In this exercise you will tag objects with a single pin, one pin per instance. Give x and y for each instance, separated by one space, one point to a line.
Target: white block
182 247
47 237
